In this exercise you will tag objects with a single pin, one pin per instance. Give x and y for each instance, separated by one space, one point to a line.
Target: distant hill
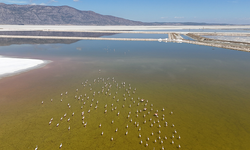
56 15
65 15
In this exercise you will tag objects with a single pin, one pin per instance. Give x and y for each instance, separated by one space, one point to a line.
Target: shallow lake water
205 88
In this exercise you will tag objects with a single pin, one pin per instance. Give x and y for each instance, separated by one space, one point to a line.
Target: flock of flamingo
116 106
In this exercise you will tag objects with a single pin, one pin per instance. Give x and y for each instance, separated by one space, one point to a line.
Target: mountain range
12 14
56 15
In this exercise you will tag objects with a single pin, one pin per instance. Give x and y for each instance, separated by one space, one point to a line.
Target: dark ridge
56 15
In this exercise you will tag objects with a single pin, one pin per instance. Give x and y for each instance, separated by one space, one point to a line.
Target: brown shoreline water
210 106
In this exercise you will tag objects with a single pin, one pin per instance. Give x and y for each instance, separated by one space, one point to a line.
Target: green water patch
106 106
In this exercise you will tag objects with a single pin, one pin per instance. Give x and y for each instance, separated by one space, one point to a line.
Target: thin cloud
38 4
32 2
52 1
75 0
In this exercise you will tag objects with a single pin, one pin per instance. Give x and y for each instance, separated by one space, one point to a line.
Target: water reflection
134 35
47 33
11 41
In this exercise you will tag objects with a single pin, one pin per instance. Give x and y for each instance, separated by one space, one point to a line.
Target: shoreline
10 66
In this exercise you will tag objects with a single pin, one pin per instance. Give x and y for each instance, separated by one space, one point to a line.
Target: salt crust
10 66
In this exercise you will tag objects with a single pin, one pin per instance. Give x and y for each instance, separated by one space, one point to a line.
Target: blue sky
209 11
